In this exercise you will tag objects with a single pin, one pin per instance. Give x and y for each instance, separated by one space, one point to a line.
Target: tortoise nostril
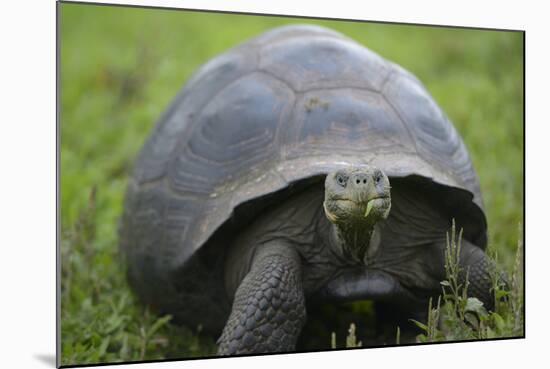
361 179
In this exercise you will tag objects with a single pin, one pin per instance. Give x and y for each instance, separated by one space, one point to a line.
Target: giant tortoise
298 167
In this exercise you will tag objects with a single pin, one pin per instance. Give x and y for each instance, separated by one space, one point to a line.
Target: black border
58 178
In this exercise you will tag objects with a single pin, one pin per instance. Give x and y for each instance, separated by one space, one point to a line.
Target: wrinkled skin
346 242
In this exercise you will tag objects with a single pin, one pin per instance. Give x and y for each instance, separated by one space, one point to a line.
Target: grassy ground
120 67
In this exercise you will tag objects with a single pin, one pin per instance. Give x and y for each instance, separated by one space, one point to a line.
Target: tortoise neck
354 243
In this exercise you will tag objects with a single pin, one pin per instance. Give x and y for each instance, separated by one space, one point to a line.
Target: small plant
465 318
432 334
398 336
351 339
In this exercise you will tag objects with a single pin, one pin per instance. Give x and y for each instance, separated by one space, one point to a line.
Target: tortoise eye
377 177
341 180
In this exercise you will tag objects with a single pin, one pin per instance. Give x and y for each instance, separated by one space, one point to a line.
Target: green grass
120 68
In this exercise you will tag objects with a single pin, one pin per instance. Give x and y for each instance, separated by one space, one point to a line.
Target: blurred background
119 69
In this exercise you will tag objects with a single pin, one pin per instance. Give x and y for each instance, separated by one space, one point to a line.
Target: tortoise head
356 198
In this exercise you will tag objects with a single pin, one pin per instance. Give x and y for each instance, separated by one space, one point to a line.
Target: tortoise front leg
269 309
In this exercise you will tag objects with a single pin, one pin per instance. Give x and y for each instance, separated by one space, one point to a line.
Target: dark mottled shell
291 104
